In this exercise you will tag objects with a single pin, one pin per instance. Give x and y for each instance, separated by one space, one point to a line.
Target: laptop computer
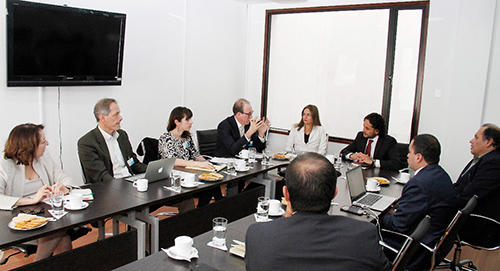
359 196
156 170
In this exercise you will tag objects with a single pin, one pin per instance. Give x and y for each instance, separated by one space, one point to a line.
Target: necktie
368 149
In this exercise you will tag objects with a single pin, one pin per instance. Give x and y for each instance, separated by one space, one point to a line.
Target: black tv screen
50 45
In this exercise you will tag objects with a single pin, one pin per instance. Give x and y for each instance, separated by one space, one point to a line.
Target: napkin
171 189
211 244
57 217
257 219
85 193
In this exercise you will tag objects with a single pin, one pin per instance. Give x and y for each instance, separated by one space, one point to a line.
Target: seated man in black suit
373 146
308 238
236 132
105 151
481 177
429 192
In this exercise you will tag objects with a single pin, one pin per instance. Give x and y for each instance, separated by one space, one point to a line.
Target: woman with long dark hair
308 135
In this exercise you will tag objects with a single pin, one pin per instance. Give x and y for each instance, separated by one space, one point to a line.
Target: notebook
359 196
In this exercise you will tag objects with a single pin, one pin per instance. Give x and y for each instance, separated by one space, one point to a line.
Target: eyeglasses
248 114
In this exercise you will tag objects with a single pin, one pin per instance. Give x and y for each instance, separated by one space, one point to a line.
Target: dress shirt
376 162
120 170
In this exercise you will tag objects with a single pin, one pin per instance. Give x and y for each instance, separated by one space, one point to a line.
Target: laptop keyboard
369 199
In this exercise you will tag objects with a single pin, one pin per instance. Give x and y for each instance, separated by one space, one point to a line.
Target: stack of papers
238 248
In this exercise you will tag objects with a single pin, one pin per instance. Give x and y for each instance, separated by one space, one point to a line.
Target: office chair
410 244
403 153
207 140
445 244
491 242
149 148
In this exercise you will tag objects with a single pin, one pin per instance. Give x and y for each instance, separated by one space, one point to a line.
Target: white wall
176 51
455 76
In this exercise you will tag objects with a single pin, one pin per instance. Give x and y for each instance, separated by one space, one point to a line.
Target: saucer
374 190
68 207
279 213
172 253
243 169
191 185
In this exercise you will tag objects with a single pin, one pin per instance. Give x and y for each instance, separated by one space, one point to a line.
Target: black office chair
445 244
149 148
207 140
491 242
403 154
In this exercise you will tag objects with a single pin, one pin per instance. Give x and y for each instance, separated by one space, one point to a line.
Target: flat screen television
49 45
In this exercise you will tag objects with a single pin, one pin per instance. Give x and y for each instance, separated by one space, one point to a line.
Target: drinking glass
175 181
219 228
252 151
337 162
231 168
266 156
56 200
263 208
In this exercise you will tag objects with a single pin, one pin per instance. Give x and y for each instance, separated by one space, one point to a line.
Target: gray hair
239 104
102 107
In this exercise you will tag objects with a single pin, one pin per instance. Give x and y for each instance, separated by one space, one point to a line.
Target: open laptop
156 170
359 196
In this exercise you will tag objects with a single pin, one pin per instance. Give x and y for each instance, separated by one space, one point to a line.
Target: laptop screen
356 182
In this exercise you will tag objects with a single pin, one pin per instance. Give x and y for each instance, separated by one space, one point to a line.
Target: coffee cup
141 185
372 185
241 164
243 154
183 246
189 179
274 207
75 201
404 177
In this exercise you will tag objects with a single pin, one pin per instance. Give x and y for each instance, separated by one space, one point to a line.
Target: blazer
318 140
12 178
96 161
308 241
430 192
385 150
230 143
483 180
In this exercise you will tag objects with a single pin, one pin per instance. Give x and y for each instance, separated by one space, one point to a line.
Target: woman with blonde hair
308 135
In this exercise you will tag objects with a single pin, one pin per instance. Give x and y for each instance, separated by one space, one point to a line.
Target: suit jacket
230 143
96 161
12 178
318 140
385 150
483 180
430 192
308 241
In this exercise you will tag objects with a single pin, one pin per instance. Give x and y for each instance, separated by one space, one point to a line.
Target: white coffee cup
141 185
189 179
184 245
274 207
243 154
372 185
404 177
240 164
75 201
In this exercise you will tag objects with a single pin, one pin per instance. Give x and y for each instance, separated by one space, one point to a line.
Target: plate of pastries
281 157
211 177
26 222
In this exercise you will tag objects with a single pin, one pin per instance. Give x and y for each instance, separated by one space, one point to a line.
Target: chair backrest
207 140
149 148
488 228
411 245
446 242
403 153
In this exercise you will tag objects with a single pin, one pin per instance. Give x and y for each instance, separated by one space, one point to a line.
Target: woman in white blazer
308 135
28 175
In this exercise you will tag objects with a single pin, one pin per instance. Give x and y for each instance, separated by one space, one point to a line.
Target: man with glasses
236 132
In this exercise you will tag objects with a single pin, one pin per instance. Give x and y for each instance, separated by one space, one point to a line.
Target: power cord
60 126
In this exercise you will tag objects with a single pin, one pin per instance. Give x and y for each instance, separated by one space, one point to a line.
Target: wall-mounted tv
49 45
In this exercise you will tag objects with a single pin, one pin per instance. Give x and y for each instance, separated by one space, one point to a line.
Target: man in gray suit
105 151
308 238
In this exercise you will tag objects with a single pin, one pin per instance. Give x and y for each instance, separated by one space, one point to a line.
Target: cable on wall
60 126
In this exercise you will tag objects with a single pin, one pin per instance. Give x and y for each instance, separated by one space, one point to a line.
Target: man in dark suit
481 177
105 152
236 132
429 192
372 146
308 238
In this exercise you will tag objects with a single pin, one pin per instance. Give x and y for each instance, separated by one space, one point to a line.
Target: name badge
130 161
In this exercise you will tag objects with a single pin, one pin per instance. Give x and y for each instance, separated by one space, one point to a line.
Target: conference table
121 201
215 259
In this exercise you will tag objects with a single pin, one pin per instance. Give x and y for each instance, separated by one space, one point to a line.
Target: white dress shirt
318 140
376 162
120 170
